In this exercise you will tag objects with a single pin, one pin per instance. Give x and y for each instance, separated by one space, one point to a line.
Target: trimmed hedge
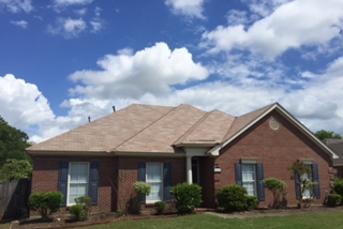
188 197
233 198
160 206
45 203
334 200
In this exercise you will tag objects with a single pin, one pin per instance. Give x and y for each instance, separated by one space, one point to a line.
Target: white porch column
189 169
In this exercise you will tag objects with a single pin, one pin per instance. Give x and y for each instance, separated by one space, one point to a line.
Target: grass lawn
307 220
4 225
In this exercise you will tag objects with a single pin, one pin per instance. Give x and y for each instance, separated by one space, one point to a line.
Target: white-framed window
307 193
249 178
78 178
154 177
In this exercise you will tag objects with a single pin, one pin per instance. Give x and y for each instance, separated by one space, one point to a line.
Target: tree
13 142
325 134
14 169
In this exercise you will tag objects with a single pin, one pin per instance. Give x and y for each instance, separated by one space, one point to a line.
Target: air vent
274 124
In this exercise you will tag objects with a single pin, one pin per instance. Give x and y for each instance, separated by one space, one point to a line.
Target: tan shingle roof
337 146
148 128
240 122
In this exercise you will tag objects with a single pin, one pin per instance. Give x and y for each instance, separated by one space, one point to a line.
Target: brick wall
45 178
277 150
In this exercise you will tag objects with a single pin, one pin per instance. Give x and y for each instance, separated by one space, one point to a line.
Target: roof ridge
128 139
228 130
190 129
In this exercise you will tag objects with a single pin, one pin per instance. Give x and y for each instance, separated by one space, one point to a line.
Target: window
307 193
78 178
155 179
249 178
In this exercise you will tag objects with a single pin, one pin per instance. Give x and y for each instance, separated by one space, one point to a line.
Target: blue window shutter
315 178
167 181
63 180
93 181
260 182
141 177
297 186
238 173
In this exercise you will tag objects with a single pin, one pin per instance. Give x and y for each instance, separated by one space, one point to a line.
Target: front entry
195 170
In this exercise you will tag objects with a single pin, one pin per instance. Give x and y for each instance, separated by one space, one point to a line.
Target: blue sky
62 60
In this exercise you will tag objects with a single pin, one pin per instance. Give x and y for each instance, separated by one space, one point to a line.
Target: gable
291 121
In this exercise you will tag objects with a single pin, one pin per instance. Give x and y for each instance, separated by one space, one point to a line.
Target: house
337 146
164 146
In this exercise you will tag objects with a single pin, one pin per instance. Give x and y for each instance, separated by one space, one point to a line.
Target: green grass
309 220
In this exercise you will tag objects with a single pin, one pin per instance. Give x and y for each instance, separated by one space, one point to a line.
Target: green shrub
338 186
80 211
45 203
252 202
232 198
160 206
278 189
333 200
142 188
187 196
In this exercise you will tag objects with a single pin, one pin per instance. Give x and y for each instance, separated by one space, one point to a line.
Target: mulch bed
63 221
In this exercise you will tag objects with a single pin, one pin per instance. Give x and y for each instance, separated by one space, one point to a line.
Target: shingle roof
149 128
337 146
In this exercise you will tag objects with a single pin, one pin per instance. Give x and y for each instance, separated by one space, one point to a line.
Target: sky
64 60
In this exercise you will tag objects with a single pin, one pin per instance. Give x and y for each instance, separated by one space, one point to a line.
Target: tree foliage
14 169
13 142
325 134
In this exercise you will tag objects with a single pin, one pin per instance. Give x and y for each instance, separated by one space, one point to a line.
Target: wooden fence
13 199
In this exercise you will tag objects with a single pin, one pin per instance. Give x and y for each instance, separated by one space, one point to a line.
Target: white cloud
63 3
16 6
189 8
291 25
151 70
21 23
149 75
68 27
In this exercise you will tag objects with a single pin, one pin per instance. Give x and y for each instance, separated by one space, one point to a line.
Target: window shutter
315 178
260 182
93 181
63 180
297 186
141 177
238 173
167 181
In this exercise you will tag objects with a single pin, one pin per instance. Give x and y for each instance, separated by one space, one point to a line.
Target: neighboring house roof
337 146
159 129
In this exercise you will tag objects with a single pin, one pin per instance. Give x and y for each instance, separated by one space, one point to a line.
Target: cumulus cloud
189 8
21 23
160 75
22 104
291 25
151 70
68 27
17 6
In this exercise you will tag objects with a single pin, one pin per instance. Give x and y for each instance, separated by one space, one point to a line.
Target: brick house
164 146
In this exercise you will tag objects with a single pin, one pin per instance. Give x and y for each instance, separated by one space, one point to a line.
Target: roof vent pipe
89 118
114 108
